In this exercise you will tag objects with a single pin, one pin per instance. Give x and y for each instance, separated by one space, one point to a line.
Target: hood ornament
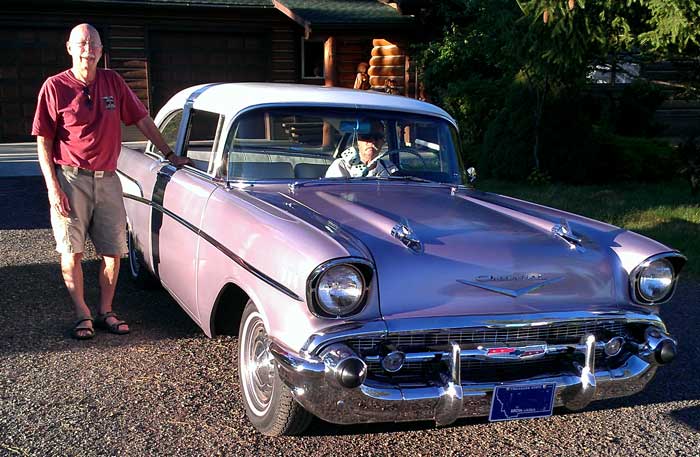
563 231
482 282
407 236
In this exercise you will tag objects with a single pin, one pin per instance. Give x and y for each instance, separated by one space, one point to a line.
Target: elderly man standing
78 128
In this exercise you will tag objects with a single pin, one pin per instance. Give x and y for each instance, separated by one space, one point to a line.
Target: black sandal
101 321
81 332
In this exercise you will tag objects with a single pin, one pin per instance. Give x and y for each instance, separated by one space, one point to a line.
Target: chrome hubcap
257 369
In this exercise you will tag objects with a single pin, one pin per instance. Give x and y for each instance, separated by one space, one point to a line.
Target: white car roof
230 99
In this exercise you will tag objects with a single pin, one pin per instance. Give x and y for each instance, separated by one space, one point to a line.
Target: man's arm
57 198
149 129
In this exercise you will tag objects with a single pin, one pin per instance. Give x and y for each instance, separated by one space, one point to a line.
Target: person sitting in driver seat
362 157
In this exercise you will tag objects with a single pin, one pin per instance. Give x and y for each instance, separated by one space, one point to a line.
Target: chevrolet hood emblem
482 282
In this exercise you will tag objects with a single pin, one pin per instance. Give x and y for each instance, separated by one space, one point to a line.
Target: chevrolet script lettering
512 277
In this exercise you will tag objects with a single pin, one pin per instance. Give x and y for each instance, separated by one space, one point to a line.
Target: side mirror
471 174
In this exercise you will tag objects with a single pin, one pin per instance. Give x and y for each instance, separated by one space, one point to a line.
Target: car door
183 194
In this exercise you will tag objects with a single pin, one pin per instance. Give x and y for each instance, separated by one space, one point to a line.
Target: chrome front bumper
318 385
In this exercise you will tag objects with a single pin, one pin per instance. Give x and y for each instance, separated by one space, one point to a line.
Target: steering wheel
399 151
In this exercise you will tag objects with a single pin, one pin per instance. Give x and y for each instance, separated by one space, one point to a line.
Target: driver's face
369 145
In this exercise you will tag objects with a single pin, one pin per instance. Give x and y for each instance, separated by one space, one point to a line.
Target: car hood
475 256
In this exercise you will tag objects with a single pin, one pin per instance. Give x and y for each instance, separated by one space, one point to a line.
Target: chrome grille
481 370
569 332
485 370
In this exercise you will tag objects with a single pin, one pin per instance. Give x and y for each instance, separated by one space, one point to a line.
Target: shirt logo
109 102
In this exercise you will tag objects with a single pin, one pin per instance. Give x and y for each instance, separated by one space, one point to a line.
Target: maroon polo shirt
85 120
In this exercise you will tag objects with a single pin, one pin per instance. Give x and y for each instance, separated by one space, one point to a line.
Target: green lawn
665 212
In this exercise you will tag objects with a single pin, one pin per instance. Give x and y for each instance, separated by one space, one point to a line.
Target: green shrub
634 113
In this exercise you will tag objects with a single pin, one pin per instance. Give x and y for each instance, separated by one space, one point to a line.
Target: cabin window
311 59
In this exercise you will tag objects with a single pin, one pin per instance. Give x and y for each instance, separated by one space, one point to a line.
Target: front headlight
654 280
338 288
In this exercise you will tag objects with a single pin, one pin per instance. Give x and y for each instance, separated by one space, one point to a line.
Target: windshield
322 143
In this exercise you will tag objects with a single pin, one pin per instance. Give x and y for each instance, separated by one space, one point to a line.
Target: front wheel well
228 309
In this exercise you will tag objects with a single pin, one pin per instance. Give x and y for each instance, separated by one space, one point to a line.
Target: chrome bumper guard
334 387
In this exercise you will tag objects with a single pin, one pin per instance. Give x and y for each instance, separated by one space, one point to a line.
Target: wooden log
330 63
134 74
381 80
382 42
137 84
386 51
395 71
382 88
128 63
381 61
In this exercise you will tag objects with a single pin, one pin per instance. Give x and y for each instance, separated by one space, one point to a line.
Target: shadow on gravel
37 314
688 416
24 203
322 428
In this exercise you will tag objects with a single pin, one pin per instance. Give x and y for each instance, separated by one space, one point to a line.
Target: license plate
523 401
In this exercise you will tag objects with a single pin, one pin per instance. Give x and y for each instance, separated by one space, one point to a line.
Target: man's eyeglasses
85 44
86 93
370 136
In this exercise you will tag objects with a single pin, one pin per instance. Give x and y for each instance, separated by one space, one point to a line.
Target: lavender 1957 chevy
398 295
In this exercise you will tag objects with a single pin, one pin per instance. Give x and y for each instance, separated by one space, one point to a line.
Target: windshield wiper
407 178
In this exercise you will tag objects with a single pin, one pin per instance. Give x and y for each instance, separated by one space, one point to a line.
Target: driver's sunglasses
86 93
370 136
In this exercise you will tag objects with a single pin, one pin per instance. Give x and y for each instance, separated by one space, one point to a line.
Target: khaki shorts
97 210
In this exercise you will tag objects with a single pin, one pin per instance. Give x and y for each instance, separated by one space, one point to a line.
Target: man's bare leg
109 273
72 271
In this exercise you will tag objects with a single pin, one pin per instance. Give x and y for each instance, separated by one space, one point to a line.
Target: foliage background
514 75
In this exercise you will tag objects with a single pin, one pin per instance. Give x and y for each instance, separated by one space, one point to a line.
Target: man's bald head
80 31
85 47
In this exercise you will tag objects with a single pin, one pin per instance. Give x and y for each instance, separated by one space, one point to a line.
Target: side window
202 138
169 130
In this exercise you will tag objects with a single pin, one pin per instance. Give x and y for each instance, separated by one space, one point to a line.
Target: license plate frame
522 401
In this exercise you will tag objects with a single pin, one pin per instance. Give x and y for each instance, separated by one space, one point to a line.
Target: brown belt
83 171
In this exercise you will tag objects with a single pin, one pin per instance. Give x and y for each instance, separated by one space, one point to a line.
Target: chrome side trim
131 181
227 252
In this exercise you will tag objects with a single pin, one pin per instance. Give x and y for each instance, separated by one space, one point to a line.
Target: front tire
268 402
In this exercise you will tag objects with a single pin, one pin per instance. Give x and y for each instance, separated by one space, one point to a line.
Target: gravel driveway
166 389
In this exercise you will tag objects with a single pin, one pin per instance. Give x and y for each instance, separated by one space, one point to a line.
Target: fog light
614 346
393 361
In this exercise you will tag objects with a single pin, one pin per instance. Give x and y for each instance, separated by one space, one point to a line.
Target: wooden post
329 63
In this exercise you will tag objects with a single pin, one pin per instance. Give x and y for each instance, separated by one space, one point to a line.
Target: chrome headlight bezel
673 259
365 271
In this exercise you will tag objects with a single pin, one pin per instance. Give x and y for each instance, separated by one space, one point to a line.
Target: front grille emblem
529 352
